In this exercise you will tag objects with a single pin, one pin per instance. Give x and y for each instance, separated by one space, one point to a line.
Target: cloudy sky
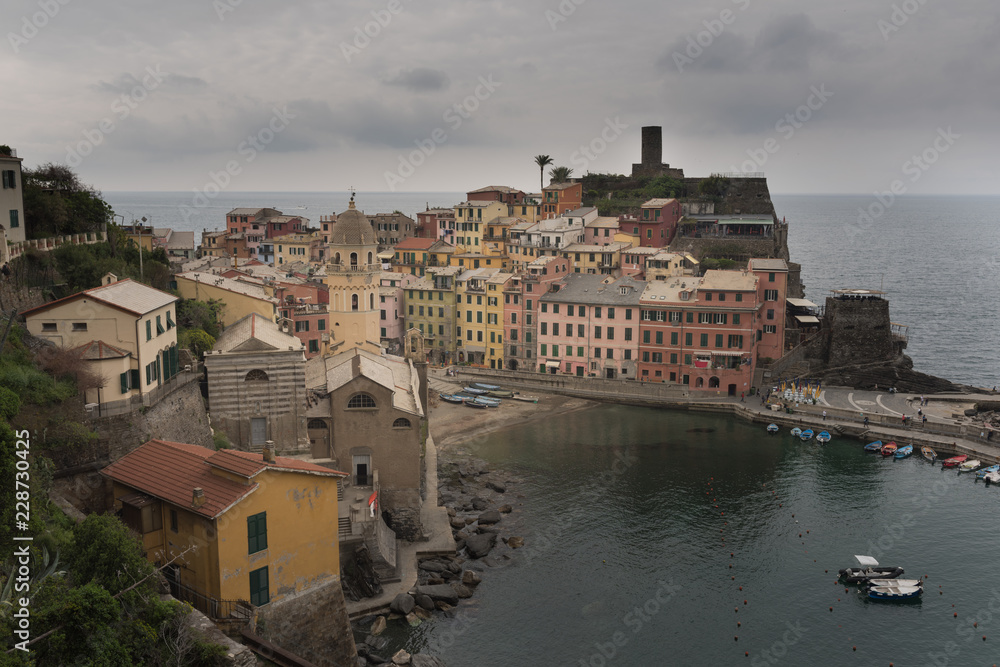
824 97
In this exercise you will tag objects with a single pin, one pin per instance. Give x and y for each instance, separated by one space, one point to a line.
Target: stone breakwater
481 510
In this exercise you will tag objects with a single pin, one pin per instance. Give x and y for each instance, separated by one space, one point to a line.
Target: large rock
463 592
413 619
505 509
480 544
441 592
378 627
432 566
471 578
425 602
487 518
479 504
497 486
515 542
458 524
401 658
402 604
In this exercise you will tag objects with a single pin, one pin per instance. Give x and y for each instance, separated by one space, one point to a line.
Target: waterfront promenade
846 409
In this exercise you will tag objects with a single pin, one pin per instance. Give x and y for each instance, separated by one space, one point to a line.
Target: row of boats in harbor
806 435
990 473
480 395
880 582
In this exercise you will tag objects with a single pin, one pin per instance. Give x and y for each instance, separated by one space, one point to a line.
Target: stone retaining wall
313 625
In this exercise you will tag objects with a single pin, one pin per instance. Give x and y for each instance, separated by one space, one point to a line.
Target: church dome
353 229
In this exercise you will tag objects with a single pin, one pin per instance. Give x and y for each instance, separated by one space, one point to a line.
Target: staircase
344 526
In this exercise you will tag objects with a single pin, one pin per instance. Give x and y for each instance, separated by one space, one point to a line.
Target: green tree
542 161
109 554
194 314
560 174
57 202
196 340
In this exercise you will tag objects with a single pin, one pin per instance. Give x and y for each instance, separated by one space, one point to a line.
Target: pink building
772 287
391 311
600 231
588 325
522 296
437 223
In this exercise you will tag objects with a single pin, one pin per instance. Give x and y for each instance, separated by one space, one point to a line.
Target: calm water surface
623 536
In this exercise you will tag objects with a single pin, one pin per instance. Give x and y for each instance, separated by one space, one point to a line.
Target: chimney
198 497
269 451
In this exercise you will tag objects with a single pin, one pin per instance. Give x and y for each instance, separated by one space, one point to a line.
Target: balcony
352 268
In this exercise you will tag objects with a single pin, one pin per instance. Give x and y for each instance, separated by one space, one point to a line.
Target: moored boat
869 569
474 391
491 402
983 472
806 435
772 428
473 403
874 446
903 452
896 582
526 399
928 453
452 398
992 477
796 431
487 387
889 449
954 461
500 393
823 437
969 466
894 592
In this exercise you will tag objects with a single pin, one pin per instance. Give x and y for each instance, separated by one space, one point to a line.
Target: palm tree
542 161
560 174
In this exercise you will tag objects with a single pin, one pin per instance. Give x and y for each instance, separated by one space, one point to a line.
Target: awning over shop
801 303
807 319
553 364
728 354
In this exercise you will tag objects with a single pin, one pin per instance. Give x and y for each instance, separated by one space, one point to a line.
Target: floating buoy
956 614
831 608
730 566
730 554
746 653
855 648
733 578
793 516
800 535
737 638
744 602
975 625
736 609
807 531
741 588
738 624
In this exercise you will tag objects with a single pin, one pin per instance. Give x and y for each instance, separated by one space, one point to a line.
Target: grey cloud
419 79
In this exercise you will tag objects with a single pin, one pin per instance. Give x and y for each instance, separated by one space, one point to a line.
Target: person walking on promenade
742 397
824 415
866 421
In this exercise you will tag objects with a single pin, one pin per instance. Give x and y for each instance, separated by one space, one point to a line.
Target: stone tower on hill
652 156
353 278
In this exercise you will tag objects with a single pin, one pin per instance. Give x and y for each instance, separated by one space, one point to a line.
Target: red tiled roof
415 243
171 471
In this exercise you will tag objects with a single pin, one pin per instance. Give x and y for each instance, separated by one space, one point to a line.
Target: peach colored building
772 290
522 296
588 325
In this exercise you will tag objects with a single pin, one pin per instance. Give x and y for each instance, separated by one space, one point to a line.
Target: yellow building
430 308
299 248
472 219
596 259
470 310
495 286
238 527
353 276
239 298
125 330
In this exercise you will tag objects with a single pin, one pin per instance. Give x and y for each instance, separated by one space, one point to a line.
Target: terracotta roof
171 471
415 243
98 349
353 228
127 295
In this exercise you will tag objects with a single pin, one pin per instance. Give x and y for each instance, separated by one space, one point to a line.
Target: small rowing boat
874 446
823 437
500 393
473 391
869 570
894 592
796 432
486 387
889 449
473 403
969 466
983 472
806 435
954 461
772 428
903 452
452 398
992 477
526 399
928 453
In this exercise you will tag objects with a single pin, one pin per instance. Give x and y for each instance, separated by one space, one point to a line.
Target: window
259 587
313 346
657 357
149 330
645 336
555 328
257 532
402 422
687 359
628 313
770 313
48 327
582 311
170 320
770 277
628 354
739 298
173 520
673 338
9 180
555 350
645 357
597 353
555 308
513 318
361 401
545 350
79 326
735 341
255 376
628 333
718 340
611 313
770 328
569 310
736 318
690 318
673 357
675 316
545 307
597 332
659 338
597 312
580 331
704 340
545 329
770 295
14 221
708 296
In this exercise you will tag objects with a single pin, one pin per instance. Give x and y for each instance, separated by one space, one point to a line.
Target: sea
937 258
657 537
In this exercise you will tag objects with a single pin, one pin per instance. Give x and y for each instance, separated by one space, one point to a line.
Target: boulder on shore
499 487
401 658
432 566
441 592
471 578
378 627
402 604
463 592
425 602
515 542
490 517
480 544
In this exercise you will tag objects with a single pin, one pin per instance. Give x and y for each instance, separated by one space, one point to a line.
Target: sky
853 96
